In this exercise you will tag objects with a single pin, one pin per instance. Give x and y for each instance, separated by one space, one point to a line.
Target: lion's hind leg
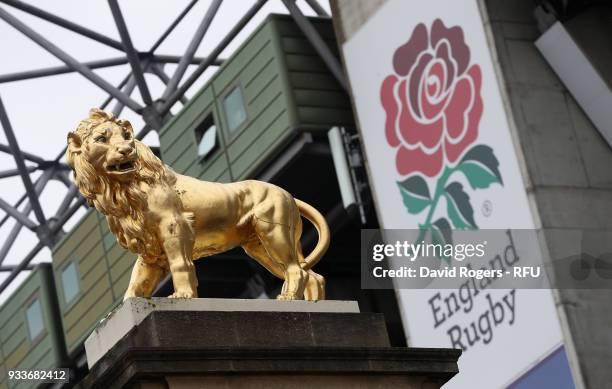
315 287
256 250
295 283
279 244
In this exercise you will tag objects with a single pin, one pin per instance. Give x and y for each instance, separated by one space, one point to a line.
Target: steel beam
68 60
191 48
63 177
39 186
29 156
194 60
106 102
21 266
17 204
73 191
143 132
58 165
64 23
172 26
128 89
16 172
158 70
61 153
172 99
57 70
11 268
314 4
317 42
20 217
18 156
137 69
68 214
28 258
22 199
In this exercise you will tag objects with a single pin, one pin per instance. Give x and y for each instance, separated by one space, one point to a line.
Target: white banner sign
440 155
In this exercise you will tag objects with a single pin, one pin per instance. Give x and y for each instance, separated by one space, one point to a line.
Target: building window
235 112
206 137
34 319
70 282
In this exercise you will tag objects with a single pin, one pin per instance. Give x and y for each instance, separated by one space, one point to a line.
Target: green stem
434 203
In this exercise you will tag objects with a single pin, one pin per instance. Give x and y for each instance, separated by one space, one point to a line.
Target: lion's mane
123 204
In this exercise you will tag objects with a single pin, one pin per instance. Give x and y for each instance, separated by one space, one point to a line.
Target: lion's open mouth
122 167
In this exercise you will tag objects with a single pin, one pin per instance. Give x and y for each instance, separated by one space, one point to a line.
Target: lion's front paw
130 294
287 296
183 295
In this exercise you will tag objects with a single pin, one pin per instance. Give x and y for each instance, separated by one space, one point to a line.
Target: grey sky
43 110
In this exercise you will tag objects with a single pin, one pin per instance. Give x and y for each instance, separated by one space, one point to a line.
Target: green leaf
444 231
477 175
483 155
441 234
460 210
416 185
415 194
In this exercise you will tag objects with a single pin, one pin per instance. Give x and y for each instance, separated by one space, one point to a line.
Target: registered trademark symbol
487 208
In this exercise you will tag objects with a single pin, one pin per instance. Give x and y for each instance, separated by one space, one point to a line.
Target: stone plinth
134 310
213 343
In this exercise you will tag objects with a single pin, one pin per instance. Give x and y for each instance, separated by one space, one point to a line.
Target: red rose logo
433 101
433 108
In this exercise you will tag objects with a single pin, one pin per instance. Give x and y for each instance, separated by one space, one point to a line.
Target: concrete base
134 310
255 343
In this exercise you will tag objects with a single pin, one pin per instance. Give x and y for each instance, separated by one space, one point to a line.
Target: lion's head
113 171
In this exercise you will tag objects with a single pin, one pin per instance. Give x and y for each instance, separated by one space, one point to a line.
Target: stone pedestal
214 343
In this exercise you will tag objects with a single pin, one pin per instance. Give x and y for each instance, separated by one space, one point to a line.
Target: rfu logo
526 271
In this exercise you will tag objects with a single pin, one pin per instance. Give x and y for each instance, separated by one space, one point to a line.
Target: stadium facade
283 110
545 73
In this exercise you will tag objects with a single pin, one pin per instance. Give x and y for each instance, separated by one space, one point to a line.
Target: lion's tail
319 222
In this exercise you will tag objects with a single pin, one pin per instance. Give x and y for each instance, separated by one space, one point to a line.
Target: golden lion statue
169 219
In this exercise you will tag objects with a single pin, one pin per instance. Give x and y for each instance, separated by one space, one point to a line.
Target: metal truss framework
155 112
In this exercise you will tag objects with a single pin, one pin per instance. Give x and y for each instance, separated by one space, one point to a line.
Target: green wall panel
17 349
260 123
306 63
96 253
187 116
121 266
121 283
321 98
73 239
79 332
316 81
262 146
248 58
213 167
